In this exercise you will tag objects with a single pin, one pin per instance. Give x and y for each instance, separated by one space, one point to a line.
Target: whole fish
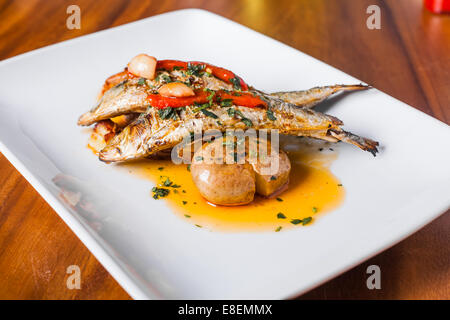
129 96
160 129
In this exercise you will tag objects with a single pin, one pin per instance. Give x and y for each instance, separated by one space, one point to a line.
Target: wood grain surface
409 58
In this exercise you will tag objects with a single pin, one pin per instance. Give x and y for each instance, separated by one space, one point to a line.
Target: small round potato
225 184
233 184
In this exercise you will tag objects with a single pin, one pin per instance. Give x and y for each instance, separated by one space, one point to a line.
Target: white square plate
154 254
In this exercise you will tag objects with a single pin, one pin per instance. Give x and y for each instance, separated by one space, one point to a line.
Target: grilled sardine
157 130
129 95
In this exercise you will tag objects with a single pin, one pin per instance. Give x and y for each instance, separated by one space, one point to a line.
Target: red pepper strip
244 99
221 73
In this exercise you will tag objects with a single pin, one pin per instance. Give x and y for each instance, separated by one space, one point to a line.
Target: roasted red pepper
240 99
221 73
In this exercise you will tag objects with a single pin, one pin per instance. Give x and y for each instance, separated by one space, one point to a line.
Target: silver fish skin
150 133
314 96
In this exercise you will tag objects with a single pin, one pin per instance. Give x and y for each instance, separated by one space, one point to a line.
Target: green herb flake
198 226
159 192
161 168
306 221
296 221
185 202
195 69
226 102
236 81
167 113
314 209
167 182
209 114
340 185
188 168
199 158
281 216
141 81
272 178
247 122
233 112
270 115
278 229
279 199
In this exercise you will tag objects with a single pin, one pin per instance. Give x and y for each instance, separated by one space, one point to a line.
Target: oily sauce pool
313 190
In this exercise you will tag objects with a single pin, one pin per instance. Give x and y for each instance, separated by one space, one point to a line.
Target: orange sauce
313 190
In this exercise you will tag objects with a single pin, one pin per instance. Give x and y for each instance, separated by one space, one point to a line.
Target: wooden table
408 58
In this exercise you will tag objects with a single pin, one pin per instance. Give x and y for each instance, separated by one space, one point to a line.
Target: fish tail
361 142
350 87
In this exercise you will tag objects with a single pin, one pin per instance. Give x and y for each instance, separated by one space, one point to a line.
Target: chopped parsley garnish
209 114
141 81
177 68
247 122
161 168
198 226
232 112
270 115
167 113
272 178
186 215
236 81
163 78
211 94
199 158
188 168
279 199
340 185
314 209
201 106
302 221
278 229
167 182
159 192
281 216
195 69
185 202
226 102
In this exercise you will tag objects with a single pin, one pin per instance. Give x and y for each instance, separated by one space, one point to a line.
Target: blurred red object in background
438 6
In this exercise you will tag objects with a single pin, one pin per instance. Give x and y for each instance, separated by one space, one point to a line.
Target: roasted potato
232 183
